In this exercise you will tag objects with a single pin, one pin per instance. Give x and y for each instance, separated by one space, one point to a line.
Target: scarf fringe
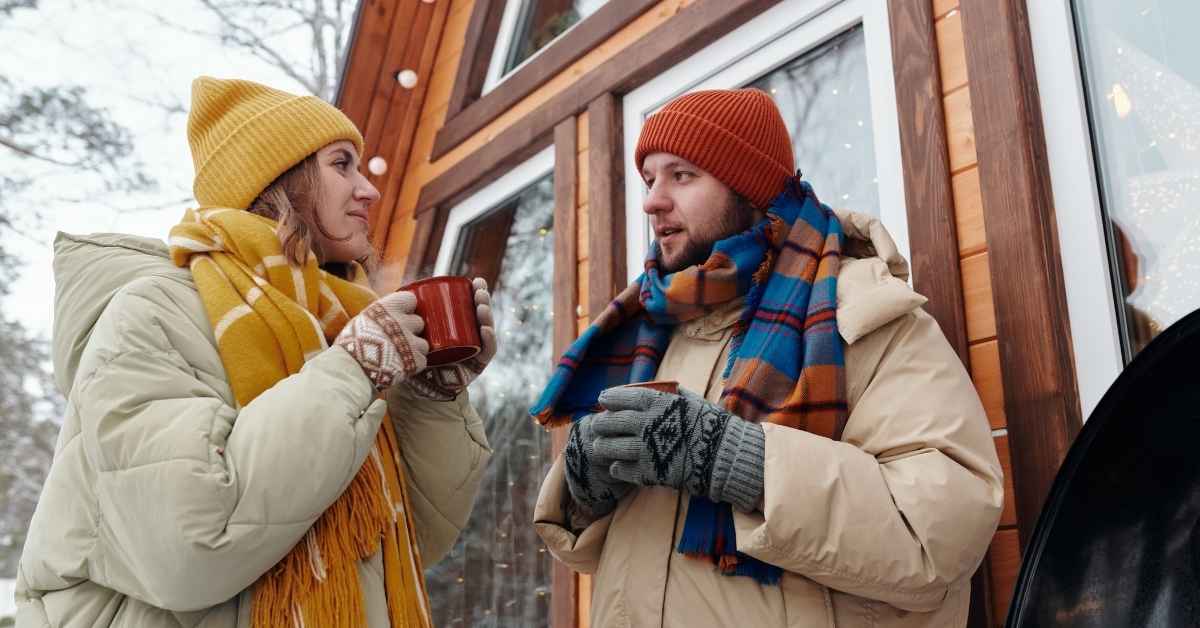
317 583
709 534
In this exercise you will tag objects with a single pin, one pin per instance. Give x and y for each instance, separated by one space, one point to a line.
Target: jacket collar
873 285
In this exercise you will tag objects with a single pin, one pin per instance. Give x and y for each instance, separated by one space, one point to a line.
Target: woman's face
342 206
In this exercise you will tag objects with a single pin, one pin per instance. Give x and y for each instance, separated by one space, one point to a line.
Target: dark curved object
1116 543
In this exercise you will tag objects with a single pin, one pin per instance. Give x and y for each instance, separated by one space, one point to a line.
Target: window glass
1141 66
498 573
824 96
540 22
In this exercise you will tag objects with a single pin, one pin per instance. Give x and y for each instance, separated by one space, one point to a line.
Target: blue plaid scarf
785 365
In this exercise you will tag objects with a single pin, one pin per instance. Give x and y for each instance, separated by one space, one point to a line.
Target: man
827 461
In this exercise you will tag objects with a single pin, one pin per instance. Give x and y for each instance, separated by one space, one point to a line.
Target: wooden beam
476 53
691 29
928 194
1041 397
564 594
477 111
481 167
566 255
606 203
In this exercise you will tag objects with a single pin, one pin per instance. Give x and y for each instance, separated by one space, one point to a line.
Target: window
530 25
499 573
1141 68
825 98
1120 96
828 66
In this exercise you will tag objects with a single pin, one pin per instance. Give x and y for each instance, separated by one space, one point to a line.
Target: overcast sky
128 62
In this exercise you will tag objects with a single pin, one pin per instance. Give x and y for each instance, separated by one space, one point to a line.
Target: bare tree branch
27 152
259 47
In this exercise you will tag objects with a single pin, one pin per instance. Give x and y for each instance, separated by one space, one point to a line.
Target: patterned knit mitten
681 441
383 339
591 483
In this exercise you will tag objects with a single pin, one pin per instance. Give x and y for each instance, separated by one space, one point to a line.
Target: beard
735 217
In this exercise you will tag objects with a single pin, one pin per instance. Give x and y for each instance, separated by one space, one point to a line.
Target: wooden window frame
790 29
470 109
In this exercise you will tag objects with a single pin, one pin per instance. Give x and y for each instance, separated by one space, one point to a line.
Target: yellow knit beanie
244 135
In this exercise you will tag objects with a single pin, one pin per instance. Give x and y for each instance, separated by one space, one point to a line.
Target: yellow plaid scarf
269 317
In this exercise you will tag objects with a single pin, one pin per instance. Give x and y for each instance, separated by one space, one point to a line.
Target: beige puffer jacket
883 528
165 502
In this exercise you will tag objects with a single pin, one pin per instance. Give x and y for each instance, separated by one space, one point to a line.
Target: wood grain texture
672 40
480 40
968 212
1005 561
565 236
977 296
927 191
395 139
1041 396
960 130
952 54
581 38
942 7
989 382
606 202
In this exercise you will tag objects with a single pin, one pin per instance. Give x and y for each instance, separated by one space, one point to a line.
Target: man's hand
589 479
681 441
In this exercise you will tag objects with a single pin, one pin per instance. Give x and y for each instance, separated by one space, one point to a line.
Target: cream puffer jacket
165 502
883 528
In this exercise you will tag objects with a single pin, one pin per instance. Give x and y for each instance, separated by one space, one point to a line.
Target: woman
227 457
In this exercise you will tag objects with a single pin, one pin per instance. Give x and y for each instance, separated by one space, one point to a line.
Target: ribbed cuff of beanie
737 476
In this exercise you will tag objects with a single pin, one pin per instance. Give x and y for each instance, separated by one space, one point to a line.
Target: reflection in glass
540 21
1141 62
824 96
498 574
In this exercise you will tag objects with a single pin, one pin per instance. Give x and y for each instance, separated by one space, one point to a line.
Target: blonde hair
291 200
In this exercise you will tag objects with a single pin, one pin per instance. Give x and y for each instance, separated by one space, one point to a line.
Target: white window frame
489 198
513 9
1087 277
759 46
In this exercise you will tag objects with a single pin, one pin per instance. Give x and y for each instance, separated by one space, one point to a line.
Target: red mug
447 305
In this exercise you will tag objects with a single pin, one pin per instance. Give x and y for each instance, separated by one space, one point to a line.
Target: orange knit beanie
736 135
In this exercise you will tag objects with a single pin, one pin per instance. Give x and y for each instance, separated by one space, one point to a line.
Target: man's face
689 210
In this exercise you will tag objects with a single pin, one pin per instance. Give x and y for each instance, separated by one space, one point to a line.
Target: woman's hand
443 383
384 340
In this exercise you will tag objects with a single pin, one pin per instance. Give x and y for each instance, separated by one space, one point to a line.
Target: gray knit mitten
682 441
588 478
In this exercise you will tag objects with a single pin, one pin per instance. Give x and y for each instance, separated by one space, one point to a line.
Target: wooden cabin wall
421 169
1004 556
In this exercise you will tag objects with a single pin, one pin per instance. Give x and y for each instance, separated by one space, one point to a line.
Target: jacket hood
88 271
873 285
